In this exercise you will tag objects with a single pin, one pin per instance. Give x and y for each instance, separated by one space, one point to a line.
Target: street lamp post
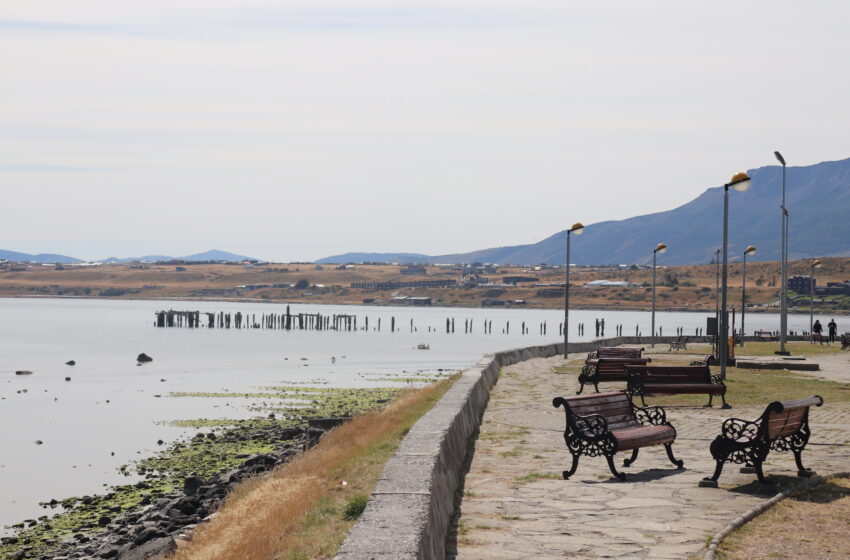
815 264
577 229
783 264
717 298
740 182
748 251
661 248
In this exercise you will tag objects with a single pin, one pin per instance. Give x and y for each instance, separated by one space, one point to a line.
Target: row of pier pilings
341 322
238 320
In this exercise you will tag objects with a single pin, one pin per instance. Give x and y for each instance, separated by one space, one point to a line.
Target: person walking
833 330
817 332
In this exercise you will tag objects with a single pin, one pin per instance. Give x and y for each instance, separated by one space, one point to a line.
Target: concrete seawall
409 512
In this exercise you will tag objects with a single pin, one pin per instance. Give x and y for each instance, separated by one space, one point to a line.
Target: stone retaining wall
409 512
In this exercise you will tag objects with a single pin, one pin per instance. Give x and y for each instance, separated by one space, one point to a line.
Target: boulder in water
23 372
70 363
142 358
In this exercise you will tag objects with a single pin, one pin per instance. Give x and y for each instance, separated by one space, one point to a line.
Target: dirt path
516 505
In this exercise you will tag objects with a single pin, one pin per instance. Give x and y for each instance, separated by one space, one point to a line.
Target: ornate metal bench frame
748 443
589 435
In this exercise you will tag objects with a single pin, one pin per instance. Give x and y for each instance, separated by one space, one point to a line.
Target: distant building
610 284
518 279
802 284
406 300
413 270
833 289
398 285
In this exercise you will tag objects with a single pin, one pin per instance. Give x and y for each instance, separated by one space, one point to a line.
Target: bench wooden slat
781 424
674 380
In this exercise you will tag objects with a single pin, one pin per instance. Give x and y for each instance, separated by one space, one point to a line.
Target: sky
294 130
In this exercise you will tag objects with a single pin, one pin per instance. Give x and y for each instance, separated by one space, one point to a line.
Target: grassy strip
796 348
748 387
812 524
303 510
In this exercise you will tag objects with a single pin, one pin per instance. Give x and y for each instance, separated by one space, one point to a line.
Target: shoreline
836 312
183 484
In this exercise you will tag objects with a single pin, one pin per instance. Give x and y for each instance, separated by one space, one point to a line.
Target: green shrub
355 506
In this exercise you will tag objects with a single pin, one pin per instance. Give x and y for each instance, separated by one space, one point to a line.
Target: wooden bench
596 370
703 362
615 352
783 426
681 343
765 336
675 380
605 423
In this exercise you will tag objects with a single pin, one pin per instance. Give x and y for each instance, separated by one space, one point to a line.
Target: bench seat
643 436
683 389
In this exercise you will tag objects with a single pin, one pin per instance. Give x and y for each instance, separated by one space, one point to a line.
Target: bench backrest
618 352
669 374
614 406
785 418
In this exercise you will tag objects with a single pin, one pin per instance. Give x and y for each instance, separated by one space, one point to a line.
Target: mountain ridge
816 196
49 258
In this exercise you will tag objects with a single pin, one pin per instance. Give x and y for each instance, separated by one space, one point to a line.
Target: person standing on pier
597 328
602 327
833 330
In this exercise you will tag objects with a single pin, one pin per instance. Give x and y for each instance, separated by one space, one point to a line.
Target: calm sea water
112 411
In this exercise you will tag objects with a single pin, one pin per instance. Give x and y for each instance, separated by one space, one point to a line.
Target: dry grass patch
300 510
811 526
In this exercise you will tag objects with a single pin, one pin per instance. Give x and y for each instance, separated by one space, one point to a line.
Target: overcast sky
293 130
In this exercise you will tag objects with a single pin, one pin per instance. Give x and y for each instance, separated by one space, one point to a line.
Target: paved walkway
516 505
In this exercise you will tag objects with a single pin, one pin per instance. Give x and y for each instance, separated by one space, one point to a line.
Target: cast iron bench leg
569 473
619 475
678 462
802 471
710 398
711 482
760 473
630 460
725 404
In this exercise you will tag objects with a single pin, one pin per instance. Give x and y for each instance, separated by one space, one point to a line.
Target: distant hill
40 258
214 255
407 258
818 199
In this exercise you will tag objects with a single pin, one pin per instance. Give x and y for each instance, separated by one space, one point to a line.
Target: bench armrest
591 426
736 429
654 415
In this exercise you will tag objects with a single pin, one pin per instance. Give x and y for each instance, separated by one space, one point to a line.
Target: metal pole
717 295
723 322
567 298
811 301
744 298
653 298
783 260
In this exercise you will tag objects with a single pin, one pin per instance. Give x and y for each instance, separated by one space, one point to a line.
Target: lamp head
817 263
661 249
780 158
751 250
577 228
740 181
